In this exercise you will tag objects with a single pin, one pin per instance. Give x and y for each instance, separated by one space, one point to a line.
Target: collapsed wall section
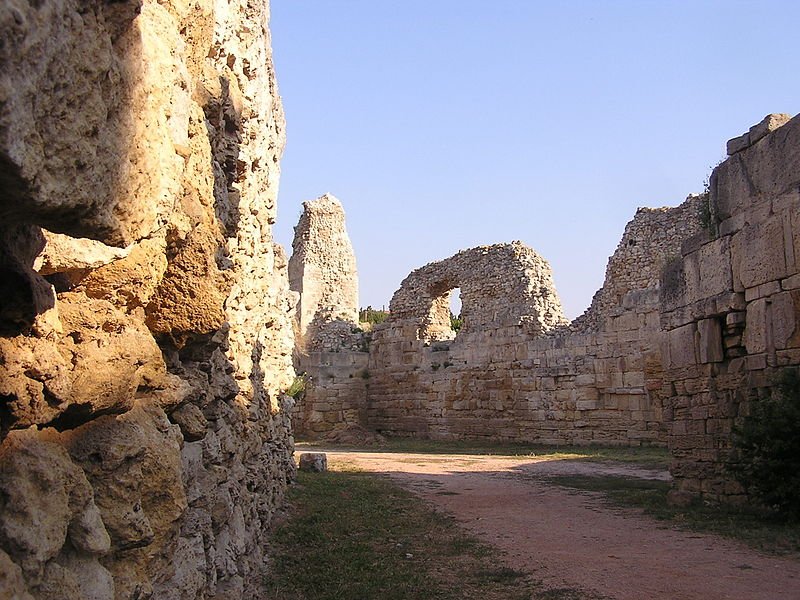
145 441
651 240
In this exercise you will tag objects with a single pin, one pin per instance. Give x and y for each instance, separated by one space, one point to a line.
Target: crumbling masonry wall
516 370
697 316
144 441
322 270
731 305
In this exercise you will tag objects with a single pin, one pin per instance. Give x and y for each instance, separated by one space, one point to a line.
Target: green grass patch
353 535
761 530
648 456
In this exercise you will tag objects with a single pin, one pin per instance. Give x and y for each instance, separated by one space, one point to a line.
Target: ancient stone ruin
697 314
322 270
145 320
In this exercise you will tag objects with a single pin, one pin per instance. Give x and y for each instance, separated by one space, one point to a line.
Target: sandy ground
572 539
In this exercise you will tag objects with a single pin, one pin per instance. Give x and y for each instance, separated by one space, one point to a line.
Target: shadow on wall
66 136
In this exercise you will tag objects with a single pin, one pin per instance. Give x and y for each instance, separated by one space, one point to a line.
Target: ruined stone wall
650 241
335 396
322 270
145 442
731 305
509 374
516 370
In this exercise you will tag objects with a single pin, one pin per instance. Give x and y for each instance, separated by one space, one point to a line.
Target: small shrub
704 212
373 316
435 366
365 374
455 322
767 448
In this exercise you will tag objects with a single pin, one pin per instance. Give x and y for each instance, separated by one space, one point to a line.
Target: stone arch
502 285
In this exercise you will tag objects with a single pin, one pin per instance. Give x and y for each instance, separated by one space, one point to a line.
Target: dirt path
570 539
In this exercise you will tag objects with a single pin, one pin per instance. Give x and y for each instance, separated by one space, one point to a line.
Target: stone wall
697 316
322 270
145 441
335 398
516 370
512 375
731 305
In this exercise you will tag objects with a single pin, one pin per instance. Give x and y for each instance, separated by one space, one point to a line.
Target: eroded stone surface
322 270
146 328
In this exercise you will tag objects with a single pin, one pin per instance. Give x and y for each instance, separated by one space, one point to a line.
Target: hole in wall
443 319
455 311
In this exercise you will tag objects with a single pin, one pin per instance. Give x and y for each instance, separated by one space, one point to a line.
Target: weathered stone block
756 362
763 171
681 342
767 125
757 254
738 144
755 332
710 342
783 319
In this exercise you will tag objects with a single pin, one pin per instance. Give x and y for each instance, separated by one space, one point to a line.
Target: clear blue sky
446 124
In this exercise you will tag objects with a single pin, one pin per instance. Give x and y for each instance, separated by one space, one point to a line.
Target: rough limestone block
757 253
681 342
710 341
738 144
755 331
715 268
783 317
730 188
767 125
314 462
762 172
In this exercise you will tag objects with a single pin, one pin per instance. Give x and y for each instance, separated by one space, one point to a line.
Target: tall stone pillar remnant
323 271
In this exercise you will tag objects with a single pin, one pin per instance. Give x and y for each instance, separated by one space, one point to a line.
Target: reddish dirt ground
573 539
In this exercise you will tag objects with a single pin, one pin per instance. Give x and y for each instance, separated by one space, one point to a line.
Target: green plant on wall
298 387
767 447
704 212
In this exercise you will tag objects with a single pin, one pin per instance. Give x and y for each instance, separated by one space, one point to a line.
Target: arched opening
443 320
456 320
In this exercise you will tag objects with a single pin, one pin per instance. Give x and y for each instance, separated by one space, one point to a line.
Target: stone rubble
314 462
